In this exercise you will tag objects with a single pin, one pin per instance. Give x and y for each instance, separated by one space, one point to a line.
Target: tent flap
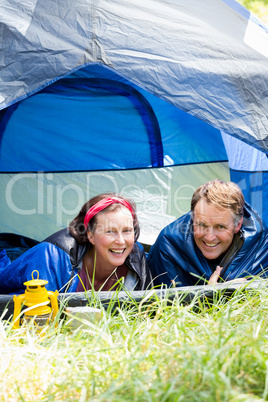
161 95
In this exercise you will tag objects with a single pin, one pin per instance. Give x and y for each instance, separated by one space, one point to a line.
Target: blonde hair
221 194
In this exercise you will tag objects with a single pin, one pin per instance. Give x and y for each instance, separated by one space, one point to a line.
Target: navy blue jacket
58 259
175 256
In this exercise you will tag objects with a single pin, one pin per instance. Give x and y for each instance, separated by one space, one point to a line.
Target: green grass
257 7
152 352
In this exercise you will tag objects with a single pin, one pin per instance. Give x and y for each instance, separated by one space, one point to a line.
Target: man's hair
221 194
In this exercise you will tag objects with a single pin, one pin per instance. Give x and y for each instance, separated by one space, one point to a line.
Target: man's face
214 229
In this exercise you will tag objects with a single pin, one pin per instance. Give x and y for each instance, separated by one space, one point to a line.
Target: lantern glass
38 320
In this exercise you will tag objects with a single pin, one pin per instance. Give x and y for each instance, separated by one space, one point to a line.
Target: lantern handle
18 300
53 296
33 274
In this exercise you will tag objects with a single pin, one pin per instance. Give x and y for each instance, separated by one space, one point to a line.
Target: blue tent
149 98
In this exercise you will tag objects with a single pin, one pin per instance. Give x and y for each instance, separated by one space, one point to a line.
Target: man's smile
211 244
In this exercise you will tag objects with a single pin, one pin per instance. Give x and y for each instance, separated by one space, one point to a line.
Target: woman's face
113 237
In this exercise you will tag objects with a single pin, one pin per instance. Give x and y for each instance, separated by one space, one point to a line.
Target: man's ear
238 226
90 237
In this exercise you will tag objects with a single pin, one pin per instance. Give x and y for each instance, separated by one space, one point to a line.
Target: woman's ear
238 226
90 236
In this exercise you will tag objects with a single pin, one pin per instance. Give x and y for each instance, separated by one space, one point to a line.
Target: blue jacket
58 259
175 256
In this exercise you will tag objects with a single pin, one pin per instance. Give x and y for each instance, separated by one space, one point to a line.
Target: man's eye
128 230
220 227
202 225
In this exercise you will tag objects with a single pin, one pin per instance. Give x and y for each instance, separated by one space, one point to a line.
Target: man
222 238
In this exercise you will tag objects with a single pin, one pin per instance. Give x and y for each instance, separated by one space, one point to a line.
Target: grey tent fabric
199 56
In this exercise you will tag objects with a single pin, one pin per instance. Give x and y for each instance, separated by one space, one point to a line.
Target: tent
148 98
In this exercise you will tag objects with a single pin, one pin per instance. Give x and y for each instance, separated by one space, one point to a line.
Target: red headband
102 204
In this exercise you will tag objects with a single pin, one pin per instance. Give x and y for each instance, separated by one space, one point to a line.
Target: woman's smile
113 238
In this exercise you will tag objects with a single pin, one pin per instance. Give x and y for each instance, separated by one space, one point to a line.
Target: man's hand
215 276
213 280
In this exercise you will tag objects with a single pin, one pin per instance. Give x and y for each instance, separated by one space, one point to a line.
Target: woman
97 251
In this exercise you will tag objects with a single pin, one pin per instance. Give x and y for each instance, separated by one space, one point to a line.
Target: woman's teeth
117 251
211 244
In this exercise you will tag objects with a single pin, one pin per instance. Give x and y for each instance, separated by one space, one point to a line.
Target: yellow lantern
36 298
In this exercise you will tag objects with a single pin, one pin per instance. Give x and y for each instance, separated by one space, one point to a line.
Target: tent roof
162 46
